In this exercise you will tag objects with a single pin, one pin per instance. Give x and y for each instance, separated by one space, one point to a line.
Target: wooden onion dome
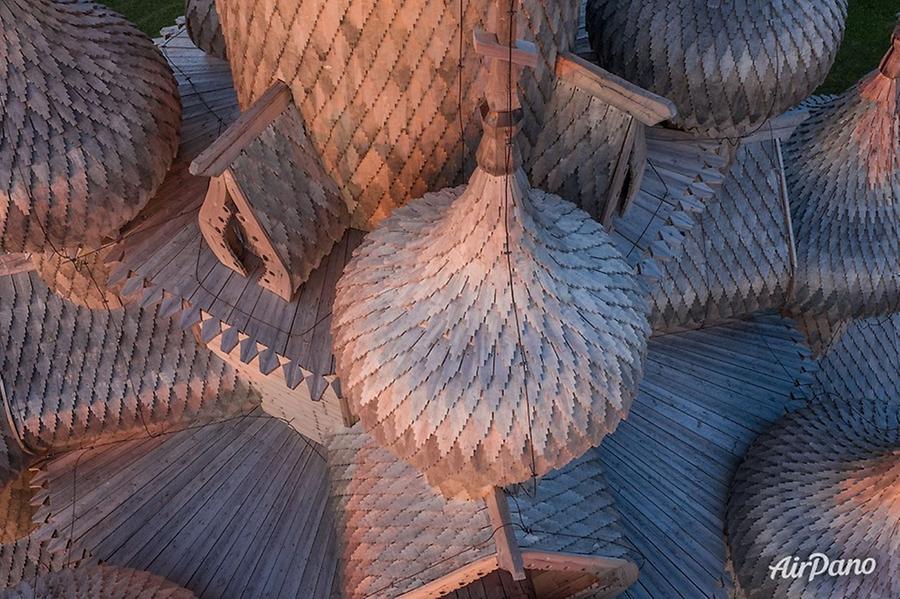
843 177
89 117
728 66
824 479
98 582
204 28
490 332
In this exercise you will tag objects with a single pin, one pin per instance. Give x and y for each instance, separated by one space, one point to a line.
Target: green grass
149 15
867 38
869 25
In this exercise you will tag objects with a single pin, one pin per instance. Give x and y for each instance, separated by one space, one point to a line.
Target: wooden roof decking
705 396
162 258
236 508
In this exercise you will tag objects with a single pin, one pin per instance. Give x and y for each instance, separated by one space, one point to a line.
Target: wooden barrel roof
97 582
727 66
433 308
204 28
823 479
89 117
843 175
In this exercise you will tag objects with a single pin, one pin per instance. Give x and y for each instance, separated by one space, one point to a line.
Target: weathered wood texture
427 323
399 534
682 178
16 510
389 94
27 558
97 582
863 361
705 396
204 28
73 375
288 210
727 66
78 276
236 508
736 260
11 264
496 585
823 479
843 175
89 118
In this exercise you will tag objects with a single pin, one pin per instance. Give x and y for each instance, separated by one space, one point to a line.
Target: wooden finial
890 64
502 111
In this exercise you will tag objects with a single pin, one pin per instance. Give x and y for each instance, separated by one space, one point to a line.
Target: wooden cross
502 113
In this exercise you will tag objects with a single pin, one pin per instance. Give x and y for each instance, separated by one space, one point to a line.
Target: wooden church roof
89 123
823 479
843 176
736 260
235 506
97 582
727 66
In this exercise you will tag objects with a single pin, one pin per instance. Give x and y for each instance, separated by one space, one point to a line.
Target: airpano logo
819 564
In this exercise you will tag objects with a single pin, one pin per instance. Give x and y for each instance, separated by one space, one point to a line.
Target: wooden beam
523 53
455 580
218 156
645 106
613 575
509 556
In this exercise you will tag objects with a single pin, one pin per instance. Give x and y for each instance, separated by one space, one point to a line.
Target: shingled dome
89 582
727 66
204 28
824 479
89 117
843 177
432 311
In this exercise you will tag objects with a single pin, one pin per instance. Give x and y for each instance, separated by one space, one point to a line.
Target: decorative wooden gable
269 196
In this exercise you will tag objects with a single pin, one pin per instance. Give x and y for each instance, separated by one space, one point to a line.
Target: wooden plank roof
234 507
705 396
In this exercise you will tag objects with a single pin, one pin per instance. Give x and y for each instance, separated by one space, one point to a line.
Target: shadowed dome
89 117
727 66
91 582
824 479
426 328
204 28
843 177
